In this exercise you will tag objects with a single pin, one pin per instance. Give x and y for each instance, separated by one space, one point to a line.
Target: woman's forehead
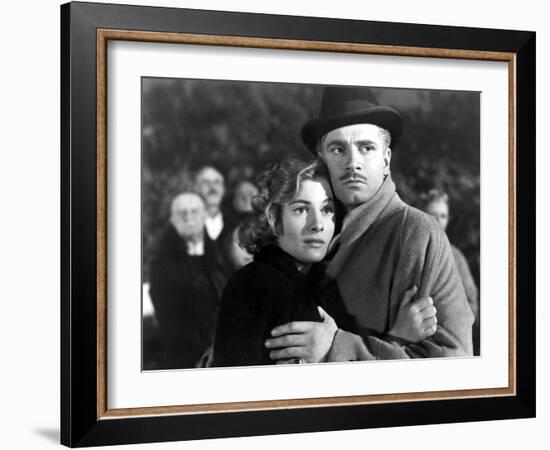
314 190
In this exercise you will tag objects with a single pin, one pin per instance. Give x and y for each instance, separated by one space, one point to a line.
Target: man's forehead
246 186
185 201
208 172
357 131
318 188
438 204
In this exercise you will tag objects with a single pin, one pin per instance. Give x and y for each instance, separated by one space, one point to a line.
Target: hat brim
382 116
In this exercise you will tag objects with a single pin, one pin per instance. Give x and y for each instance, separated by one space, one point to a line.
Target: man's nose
353 162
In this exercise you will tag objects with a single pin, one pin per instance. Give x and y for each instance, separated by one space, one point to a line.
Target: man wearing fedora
385 247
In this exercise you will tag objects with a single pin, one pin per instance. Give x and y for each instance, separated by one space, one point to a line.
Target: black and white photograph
287 223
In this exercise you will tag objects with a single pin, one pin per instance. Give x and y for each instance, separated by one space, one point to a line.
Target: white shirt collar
195 248
214 226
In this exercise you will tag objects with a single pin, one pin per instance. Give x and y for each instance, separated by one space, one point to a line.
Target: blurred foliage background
239 127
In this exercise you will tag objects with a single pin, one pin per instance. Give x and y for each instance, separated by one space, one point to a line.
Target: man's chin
213 201
354 199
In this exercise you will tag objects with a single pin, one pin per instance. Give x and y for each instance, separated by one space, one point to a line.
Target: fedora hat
344 105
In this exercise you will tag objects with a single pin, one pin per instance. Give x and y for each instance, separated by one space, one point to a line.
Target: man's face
358 159
188 215
439 210
242 200
210 185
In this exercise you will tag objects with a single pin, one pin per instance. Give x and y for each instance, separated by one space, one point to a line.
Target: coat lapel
358 221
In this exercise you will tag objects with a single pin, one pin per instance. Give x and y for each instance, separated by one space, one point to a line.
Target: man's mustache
353 176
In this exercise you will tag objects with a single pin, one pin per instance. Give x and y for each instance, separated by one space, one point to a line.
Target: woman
242 196
291 230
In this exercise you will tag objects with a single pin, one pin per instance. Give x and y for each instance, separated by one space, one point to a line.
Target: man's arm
311 341
435 267
468 282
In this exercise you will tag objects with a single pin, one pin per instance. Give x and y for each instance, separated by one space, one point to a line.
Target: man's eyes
210 182
336 149
366 148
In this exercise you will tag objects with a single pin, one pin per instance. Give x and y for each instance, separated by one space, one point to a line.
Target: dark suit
185 291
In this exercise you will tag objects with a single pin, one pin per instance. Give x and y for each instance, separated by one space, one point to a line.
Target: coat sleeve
468 282
239 338
167 289
425 260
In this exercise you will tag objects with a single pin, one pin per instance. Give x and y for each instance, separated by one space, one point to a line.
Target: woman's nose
317 224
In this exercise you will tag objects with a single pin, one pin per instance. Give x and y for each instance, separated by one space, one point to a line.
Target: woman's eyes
304 210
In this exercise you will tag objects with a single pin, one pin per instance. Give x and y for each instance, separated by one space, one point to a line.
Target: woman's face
242 199
439 210
308 222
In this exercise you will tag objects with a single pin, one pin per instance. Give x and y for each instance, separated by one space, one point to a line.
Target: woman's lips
315 243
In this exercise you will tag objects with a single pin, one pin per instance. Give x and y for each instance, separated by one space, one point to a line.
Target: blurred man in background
210 184
186 283
242 196
436 204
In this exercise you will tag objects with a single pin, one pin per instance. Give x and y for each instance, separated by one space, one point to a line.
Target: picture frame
86 419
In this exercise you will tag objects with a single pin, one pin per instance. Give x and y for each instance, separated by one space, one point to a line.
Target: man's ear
387 159
320 155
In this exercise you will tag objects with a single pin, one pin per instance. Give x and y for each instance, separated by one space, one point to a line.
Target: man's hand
302 341
416 320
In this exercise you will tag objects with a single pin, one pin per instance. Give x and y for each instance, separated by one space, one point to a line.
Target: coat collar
359 220
273 254
173 244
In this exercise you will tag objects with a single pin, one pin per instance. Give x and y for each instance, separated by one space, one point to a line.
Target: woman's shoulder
255 273
254 287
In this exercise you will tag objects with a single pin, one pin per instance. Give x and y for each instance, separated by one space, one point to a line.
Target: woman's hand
416 320
302 341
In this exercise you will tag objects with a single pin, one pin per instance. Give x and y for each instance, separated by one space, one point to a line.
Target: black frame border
79 423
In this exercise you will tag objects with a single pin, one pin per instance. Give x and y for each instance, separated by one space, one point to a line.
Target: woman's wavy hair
278 184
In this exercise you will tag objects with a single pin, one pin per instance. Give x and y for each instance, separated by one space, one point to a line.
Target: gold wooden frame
103 36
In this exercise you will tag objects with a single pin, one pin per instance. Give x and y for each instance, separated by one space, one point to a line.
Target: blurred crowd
195 255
